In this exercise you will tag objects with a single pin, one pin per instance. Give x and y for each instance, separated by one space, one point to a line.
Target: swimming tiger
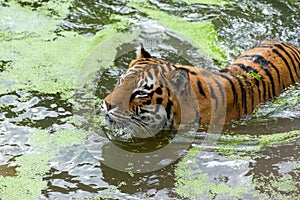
154 93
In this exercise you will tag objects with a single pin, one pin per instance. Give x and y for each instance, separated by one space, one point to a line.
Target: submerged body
158 94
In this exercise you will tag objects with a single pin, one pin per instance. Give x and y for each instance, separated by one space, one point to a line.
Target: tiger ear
179 79
142 53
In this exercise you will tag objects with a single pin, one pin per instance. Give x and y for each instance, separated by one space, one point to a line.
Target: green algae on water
200 34
103 52
32 167
283 187
50 66
42 60
42 139
238 145
192 182
28 183
279 138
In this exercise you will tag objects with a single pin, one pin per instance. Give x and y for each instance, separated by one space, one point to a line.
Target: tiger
155 94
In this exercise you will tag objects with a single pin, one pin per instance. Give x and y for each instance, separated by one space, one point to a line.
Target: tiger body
157 93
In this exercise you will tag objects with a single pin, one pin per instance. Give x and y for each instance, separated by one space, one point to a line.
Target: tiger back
259 75
256 76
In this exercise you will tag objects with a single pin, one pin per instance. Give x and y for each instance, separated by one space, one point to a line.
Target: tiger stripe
284 60
234 92
289 56
296 57
200 88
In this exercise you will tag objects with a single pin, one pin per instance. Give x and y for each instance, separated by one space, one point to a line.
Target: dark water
76 172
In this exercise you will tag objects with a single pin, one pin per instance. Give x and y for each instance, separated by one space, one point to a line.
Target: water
76 170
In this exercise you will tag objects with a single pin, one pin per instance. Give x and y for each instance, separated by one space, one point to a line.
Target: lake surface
55 147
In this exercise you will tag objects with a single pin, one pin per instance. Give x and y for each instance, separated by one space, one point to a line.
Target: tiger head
150 96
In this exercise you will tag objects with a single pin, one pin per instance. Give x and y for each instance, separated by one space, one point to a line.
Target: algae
192 182
43 60
279 138
49 67
267 140
255 75
43 140
32 167
103 53
27 185
238 145
200 34
283 187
